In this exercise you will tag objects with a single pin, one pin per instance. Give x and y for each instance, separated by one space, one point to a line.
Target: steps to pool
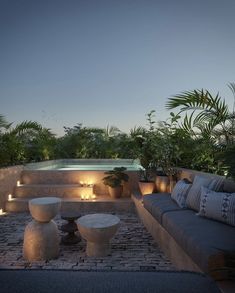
58 190
72 186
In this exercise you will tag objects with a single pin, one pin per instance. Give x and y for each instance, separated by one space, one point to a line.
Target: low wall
8 179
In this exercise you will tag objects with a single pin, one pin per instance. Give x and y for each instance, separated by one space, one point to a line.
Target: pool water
87 165
98 167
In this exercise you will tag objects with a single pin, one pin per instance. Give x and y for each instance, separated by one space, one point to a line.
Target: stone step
60 176
100 204
58 190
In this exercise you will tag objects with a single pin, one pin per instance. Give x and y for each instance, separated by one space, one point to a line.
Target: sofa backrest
228 184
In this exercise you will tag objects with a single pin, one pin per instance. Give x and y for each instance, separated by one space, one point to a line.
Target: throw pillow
180 192
194 195
219 206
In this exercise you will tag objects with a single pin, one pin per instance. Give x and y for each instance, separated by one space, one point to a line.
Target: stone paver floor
132 248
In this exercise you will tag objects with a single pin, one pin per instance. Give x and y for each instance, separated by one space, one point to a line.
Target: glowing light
87 196
9 197
81 182
18 183
1 212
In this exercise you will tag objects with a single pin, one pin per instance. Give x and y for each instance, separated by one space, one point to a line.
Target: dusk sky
110 62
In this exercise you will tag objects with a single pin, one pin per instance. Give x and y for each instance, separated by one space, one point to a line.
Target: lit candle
18 183
9 197
82 196
1 212
93 196
87 196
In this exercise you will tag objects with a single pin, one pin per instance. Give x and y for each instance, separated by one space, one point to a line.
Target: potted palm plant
145 151
114 180
146 181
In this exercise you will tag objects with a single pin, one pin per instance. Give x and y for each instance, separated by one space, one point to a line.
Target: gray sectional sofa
192 242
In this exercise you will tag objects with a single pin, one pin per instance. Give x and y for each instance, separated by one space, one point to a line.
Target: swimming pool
76 171
86 165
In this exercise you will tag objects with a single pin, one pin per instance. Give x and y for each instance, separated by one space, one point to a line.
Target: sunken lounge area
155 242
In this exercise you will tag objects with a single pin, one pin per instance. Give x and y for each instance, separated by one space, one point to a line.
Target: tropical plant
16 142
145 146
209 115
91 142
3 123
211 124
115 177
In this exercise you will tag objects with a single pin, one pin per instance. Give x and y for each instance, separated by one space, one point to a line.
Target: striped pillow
219 206
180 192
194 195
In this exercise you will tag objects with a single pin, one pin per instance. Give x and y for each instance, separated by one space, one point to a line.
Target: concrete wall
8 179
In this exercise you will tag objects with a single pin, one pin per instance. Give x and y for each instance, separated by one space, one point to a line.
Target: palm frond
198 100
4 123
137 131
111 131
25 126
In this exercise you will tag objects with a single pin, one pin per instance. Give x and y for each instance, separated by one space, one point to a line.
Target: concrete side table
70 227
41 236
98 229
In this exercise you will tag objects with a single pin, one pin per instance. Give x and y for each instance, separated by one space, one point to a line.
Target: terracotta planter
162 183
115 192
146 187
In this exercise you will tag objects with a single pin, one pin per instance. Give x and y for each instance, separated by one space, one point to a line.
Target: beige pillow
194 195
180 192
219 206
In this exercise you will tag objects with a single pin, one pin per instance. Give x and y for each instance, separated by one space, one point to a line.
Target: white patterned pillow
180 192
219 206
194 195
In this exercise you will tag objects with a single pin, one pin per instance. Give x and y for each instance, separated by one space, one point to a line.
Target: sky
110 62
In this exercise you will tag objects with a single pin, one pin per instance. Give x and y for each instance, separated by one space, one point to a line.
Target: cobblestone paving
132 249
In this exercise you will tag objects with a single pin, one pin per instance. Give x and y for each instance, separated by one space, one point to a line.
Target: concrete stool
98 229
41 236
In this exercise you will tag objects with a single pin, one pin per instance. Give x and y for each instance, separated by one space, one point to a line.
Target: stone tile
132 248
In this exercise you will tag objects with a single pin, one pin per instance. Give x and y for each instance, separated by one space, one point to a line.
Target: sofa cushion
28 281
194 195
218 206
159 203
207 242
180 192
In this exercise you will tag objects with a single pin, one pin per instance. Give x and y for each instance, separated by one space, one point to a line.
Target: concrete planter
146 187
115 192
162 183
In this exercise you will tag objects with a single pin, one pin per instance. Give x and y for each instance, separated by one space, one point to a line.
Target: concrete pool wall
8 179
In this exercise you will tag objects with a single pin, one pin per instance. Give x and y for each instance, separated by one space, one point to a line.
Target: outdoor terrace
133 248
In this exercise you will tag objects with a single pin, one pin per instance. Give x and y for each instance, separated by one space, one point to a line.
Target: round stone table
41 236
97 230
